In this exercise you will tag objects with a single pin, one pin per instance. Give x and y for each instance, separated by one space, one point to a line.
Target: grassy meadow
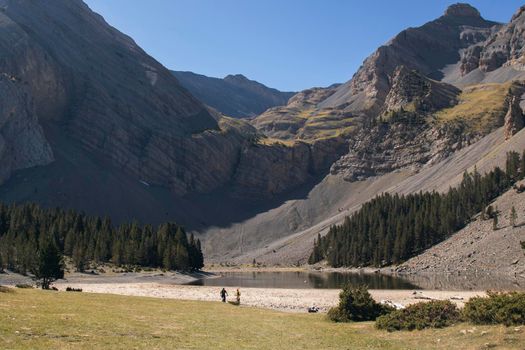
36 319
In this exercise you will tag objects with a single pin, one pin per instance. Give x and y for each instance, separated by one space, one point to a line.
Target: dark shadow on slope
90 183
221 210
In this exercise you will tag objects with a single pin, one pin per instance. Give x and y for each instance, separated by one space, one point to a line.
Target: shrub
4 289
432 314
496 308
356 304
71 289
24 286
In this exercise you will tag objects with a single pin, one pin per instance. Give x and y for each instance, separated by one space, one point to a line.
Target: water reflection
467 281
327 280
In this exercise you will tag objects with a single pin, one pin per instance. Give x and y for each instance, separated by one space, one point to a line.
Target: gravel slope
317 213
478 248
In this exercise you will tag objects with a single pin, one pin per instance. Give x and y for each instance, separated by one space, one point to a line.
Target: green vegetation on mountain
391 228
305 124
26 231
481 107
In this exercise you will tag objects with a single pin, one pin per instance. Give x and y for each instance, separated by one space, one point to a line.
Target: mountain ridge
234 95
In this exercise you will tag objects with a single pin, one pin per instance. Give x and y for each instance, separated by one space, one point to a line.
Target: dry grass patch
269 141
482 107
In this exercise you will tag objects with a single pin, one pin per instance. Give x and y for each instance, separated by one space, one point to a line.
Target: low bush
4 289
24 286
356 304
71 289
496 308
432 314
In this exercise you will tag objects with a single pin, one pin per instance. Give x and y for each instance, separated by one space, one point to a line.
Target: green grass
35 319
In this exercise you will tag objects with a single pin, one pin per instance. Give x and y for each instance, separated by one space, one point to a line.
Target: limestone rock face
393 146
462 10
514 118
74 74
27 80
503 48
408 136
268 170
426 49
22 141
411 90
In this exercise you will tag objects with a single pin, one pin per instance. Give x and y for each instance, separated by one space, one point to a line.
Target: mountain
497 59
408 124
90 121
427 49
235 95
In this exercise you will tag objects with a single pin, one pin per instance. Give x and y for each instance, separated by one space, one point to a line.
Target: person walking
224 294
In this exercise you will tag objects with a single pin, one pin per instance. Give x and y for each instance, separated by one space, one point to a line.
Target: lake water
328 280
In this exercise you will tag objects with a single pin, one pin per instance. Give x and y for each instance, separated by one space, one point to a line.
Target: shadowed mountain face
114 131
235 95
99 87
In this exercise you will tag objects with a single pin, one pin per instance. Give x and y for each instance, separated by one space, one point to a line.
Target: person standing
224 294
238 295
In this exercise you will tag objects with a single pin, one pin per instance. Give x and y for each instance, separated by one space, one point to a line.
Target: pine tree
200 257
495 220
168 261
513 217
50 266
182 261
79 258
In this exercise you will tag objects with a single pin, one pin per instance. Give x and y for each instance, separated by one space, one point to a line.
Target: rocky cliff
427 49
501 48
72 82
22 141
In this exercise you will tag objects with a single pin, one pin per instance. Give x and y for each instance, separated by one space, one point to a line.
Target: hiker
224 293
238 295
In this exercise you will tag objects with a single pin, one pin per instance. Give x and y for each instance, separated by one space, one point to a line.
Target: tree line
392 228
26 229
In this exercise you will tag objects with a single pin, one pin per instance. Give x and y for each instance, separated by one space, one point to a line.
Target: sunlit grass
269 141
35 319
482 107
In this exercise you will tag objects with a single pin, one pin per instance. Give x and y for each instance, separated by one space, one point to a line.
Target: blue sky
286 44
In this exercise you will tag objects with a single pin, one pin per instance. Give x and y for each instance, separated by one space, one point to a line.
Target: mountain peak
462 10
235 77
518 13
